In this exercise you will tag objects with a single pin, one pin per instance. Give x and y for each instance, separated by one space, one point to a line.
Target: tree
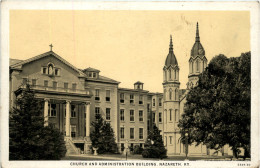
217 111
28 138
102 136
154 147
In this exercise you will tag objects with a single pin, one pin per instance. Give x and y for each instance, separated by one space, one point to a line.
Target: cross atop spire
171 45
51 47
197 33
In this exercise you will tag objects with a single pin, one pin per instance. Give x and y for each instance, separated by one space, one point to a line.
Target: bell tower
197 61
171 107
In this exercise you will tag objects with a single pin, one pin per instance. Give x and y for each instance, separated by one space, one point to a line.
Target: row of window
197 66
160 102
51 70
132 133
171 94
122 98
170 74
54 84
52 111
97 96
176 115
108 113
132 117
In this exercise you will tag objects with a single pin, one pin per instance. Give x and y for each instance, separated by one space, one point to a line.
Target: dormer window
90 74
94 75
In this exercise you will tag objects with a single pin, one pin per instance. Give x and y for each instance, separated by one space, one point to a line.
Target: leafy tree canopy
217 111
102 136
28 138
154 147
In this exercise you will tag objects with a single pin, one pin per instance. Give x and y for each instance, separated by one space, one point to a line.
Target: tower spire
197 33
171 46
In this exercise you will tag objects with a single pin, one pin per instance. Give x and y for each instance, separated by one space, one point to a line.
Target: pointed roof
197 48
171 59
19 65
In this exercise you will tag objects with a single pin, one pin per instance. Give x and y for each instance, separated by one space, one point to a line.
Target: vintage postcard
129 84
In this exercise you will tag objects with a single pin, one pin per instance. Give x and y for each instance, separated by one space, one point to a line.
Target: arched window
170 94
50 69
175 74
165 75
164 94
170 73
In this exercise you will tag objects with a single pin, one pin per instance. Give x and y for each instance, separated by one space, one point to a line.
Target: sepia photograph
160 85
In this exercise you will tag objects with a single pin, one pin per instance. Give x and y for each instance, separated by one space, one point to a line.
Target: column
87 119
46 108
67 118
87 143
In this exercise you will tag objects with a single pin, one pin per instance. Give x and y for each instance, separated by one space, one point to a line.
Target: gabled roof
21 63
14 61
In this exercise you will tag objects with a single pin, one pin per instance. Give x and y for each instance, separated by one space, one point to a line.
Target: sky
129 45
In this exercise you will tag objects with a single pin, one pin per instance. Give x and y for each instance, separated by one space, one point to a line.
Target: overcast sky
128 46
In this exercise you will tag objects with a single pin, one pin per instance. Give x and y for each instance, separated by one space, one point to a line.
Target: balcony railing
58 89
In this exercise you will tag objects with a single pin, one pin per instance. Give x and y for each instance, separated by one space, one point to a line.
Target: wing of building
71 98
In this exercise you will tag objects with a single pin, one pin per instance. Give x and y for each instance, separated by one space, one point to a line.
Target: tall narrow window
160 117
132 133
176 94
170 139
141 117
66 85
97 94
160 102
170 114
52 110
176 115
74 87
175 74
153 116
73 130
122 115
97 112
153 102
132 115
197 62
122 98
131 98
122 133
192 66
170 73
108 114
141 99
33 82
170 94
141 133
164 94
73 111
108 95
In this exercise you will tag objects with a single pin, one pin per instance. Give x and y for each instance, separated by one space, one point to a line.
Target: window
165 140
122 98
153 116
131 98
164 94
170 73
141 99
57 72
90 74
33 82
170 139
54 84
122 147
176 94
97 112
132 133
122 132
170 114
141 145
44 70
94 75
132 115
141 133
153 102
197 62
45 83
66 85
108 95
122 115
160 117
74 87
73 111
97 94
160 101
176 115
52 110
141 118
192 67
170 94
73 130
107 113
175 74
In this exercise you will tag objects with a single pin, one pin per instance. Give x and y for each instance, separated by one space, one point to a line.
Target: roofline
135 90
